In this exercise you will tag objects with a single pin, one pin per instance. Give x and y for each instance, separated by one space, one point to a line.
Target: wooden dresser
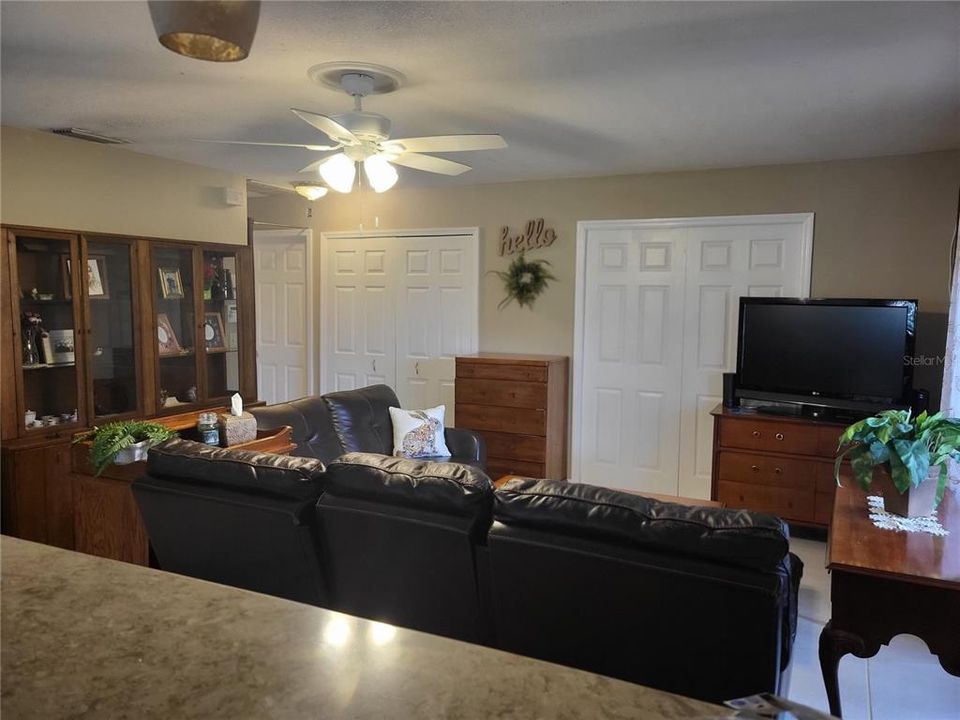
776 464
518 403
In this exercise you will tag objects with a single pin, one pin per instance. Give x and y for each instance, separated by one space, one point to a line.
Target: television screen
838 348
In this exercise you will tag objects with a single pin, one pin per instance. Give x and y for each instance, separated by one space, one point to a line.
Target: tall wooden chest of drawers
518 403
775 464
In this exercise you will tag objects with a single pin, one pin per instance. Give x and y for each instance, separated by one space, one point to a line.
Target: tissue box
236 429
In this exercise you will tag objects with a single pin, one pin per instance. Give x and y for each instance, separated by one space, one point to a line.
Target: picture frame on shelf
46 349
171 284
213 333
97 283
63 348
167 343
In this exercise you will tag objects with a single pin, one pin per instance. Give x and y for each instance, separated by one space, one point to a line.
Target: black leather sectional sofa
697 601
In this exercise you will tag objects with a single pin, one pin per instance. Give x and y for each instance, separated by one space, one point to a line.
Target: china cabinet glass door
48 312
220 342
175 326
112 341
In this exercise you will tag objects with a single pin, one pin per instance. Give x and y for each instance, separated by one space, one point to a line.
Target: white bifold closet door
657 316
398 309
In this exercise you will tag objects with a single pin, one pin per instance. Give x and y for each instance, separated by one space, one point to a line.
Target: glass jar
207 428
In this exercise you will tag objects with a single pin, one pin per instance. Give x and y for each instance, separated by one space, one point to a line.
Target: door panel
436 318
727 262
632 340
360 313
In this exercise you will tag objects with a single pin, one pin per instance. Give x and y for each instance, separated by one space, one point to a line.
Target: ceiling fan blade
328 126
447 143
428 163
315 148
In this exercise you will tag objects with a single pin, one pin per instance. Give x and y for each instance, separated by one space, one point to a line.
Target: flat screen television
826 353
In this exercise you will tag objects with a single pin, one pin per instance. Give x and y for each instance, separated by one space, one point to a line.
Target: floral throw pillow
418 433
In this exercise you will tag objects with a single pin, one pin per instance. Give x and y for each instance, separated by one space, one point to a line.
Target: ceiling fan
363 137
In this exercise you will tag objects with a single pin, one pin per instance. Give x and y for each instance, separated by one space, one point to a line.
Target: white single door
359 299
633 334
727 262
657 317
284 319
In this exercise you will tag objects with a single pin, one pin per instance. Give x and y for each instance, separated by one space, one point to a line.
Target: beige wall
55 182
883 228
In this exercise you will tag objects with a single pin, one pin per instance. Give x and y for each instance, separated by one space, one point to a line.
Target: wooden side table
886 583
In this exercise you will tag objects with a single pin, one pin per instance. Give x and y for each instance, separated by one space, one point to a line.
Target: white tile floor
902 682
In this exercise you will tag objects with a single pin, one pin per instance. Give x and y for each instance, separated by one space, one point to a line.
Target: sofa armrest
793 566
465 444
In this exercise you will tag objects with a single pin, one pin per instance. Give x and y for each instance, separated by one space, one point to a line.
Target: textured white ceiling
575 88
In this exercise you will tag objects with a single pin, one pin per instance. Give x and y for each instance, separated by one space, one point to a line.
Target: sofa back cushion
239 470
399 540
312 430
361 418
235 517
442 487
735 537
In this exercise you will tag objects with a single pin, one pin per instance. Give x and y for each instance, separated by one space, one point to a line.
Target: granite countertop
87 637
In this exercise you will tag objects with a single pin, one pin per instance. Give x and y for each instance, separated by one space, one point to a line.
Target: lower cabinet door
38 495
108 521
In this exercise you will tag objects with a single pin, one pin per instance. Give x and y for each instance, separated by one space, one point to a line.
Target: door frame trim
473 233
583 226
274 236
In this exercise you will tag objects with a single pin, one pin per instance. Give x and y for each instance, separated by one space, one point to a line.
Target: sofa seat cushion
439 486
277 475
738 537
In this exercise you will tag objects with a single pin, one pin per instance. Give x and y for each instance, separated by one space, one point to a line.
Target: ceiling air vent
89 136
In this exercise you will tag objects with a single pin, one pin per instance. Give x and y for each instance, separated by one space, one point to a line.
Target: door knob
755 468
374 364
756 433
416 368
779 436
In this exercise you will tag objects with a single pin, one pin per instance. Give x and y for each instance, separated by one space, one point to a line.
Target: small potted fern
907 457
124 442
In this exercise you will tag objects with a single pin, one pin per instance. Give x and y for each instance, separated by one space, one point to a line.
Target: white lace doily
888 521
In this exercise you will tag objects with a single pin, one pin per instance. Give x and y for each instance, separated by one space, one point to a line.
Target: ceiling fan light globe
381 174
339 172
310 191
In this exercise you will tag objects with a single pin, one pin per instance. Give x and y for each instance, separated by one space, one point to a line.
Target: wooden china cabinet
96 328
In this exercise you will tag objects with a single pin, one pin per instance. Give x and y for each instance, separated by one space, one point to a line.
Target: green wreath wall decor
524 280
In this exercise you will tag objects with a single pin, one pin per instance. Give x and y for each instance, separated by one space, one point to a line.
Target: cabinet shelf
49 366
31 301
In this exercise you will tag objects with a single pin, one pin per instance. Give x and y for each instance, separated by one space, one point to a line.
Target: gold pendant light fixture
215 30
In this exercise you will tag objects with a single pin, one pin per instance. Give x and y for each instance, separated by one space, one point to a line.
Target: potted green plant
124 442
906 455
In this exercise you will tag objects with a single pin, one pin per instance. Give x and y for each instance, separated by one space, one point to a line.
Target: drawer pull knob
777 470
755 468
756 433
779 436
